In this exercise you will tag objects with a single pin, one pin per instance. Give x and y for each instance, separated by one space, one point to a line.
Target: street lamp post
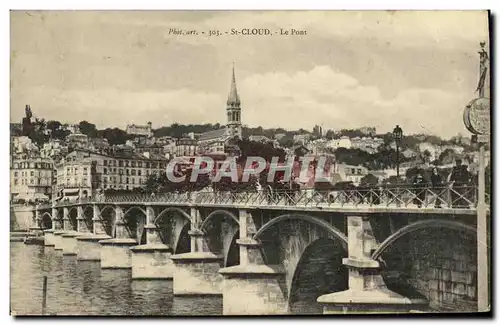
477 121
398 135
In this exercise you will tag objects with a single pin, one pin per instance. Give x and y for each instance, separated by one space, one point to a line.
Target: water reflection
152 297
83 288
203 306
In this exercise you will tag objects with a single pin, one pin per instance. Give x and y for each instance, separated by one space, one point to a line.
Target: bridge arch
182 242
434 259
133 208
221 236
319 271
88 214
73 208
46 214
216 213
86 207
419 225
173 229
107 214
297 242
73 216
135 223
304 217
46 221
232 255
106 207
172 209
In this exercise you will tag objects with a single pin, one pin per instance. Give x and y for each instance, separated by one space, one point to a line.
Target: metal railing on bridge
69 202
445 197
464 197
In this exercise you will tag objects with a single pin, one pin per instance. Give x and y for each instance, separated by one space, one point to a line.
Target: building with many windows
77 141
350 173
367 144
73 175
81 173
30 179
126 171
186 147
54 149
140 130
23 147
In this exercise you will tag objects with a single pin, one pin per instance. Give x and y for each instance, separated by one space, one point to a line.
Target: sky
417 69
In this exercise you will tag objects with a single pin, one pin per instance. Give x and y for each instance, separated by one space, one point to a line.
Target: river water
83 288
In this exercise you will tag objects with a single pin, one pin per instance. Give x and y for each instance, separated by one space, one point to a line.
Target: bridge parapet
186 197
443 197
463 197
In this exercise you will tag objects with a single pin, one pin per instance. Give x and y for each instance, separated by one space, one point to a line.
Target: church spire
233 98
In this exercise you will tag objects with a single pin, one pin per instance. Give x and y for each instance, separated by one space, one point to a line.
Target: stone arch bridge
375 250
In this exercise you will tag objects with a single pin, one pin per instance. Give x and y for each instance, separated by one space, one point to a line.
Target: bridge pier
58 241
35 229
252 288
367 290
197 273
81 224
68 237
88 247
115 252
152 260
49 239
69 242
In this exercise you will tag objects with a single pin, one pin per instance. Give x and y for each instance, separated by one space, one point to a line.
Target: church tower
233 110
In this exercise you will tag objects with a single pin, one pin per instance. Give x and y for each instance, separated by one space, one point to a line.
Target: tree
393 180
88 129
351 133
426 155
53 125
369 180
330 134
56 130
355 157
115 136
37 133
411 173
286 141
446 157
300 151
160 183
15 130
265 150
177 130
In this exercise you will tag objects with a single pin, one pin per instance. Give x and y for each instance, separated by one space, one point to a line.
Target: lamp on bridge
398 136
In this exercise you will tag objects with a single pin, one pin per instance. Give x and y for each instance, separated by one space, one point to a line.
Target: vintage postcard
188 163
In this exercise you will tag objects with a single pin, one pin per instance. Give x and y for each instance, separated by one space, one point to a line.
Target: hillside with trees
384 158
115 136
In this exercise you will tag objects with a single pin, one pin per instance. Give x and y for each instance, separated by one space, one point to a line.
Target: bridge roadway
344 251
